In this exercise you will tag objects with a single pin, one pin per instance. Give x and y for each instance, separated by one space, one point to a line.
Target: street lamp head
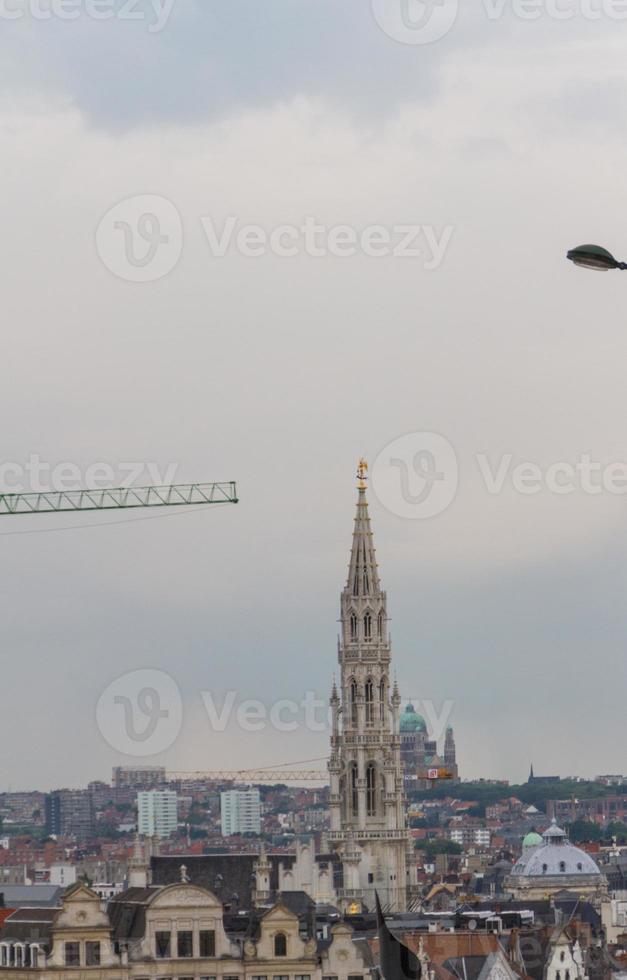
594 257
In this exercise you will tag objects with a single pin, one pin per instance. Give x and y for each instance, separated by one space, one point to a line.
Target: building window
562 956
567 974
254 978
302 976
355 976
207 942
371 789
369 693
215 978
545 868
280 944
382 700
329 978
557 975
354 794
92 954
353 622
280 976
72 954
353 694
162 945
562 865
184 944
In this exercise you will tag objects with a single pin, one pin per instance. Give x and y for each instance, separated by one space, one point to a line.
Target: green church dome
532 839
411 721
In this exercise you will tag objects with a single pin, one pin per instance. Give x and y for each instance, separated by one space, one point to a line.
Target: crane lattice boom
252 775
184 495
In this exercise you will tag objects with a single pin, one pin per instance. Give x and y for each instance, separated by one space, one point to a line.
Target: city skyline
229 716
232 123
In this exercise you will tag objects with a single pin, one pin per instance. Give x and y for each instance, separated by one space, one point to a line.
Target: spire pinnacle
363 575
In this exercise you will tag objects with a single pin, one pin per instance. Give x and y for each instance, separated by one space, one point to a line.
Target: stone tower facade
367 803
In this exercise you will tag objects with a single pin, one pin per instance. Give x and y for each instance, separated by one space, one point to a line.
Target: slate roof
230 877
127 912
34 896
29 925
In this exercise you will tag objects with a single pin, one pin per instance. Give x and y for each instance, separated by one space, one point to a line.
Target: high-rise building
138 777
240 812
367 804
69 813
157 812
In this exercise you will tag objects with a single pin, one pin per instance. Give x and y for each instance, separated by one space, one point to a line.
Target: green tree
616 828
582 830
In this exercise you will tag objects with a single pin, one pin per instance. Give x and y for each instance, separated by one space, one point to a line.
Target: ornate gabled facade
367 803
179 931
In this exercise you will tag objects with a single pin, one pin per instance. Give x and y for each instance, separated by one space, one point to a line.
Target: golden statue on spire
362 473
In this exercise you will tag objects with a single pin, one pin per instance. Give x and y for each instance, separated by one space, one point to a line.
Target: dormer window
562 866
280 944
545 868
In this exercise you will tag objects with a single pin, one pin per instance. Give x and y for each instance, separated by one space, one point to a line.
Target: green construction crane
184 495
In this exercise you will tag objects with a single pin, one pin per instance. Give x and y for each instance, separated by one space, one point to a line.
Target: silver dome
556 856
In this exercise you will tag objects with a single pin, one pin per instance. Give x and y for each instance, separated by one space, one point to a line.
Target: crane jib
181 495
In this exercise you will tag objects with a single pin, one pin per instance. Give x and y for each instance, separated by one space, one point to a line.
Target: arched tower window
354 795
382 700
353 627
380 624
369 698
280 944
353 696
371 789
368 627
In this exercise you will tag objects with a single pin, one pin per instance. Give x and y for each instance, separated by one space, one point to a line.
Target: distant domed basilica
419 753
550 864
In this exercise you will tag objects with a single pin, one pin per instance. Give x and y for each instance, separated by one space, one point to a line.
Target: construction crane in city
123 498
280 772
250 776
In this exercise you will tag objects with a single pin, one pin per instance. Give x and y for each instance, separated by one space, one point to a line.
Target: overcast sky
506 140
